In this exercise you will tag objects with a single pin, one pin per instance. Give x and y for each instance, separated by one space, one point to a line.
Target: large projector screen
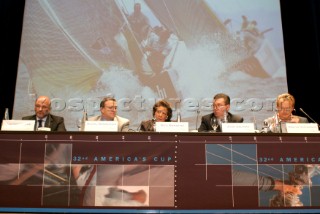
184 51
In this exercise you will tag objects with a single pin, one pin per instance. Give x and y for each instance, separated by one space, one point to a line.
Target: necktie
39 123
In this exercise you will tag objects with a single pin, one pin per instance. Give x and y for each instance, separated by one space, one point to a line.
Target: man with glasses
43 117
285 106
108 109
220 107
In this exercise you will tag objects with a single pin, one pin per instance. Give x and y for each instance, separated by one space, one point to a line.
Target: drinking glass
78 123
214 124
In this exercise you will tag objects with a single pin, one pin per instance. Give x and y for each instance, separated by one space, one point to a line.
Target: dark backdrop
301 29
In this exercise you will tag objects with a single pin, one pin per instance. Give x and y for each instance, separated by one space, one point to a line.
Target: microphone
308 116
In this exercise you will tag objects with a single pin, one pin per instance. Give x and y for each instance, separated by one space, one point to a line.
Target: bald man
43 118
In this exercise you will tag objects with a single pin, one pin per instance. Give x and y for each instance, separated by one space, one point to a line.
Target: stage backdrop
163 172
185 51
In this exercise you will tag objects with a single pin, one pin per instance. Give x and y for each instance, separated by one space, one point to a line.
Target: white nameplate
302 128
101 126
172 127
238 127
44 129
18 125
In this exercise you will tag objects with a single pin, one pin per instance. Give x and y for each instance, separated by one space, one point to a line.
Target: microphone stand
309 117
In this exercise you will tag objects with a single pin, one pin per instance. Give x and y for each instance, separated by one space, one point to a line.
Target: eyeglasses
286 109
112 107
218 106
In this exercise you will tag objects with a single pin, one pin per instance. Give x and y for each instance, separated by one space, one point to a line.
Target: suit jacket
55 123
205 125
123 123
147 126
271 128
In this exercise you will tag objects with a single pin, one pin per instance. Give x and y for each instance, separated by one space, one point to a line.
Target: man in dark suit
43 117
221 107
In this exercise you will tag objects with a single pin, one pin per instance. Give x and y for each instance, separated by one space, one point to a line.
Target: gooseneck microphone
309 117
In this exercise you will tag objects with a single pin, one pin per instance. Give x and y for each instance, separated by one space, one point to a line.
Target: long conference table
143 171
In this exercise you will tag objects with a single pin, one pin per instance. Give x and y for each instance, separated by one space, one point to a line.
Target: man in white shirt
108 109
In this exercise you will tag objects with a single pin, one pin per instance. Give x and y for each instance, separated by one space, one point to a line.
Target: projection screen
184 51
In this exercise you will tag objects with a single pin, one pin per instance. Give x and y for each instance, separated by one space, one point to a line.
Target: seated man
221 107
44 118
108 109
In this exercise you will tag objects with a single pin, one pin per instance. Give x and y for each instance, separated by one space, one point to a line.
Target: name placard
302 128
238 127
18 125
172 127
101 126
47 129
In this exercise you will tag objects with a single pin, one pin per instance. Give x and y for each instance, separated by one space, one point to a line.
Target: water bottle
6 114
225 117
83 120
277 125
178 116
